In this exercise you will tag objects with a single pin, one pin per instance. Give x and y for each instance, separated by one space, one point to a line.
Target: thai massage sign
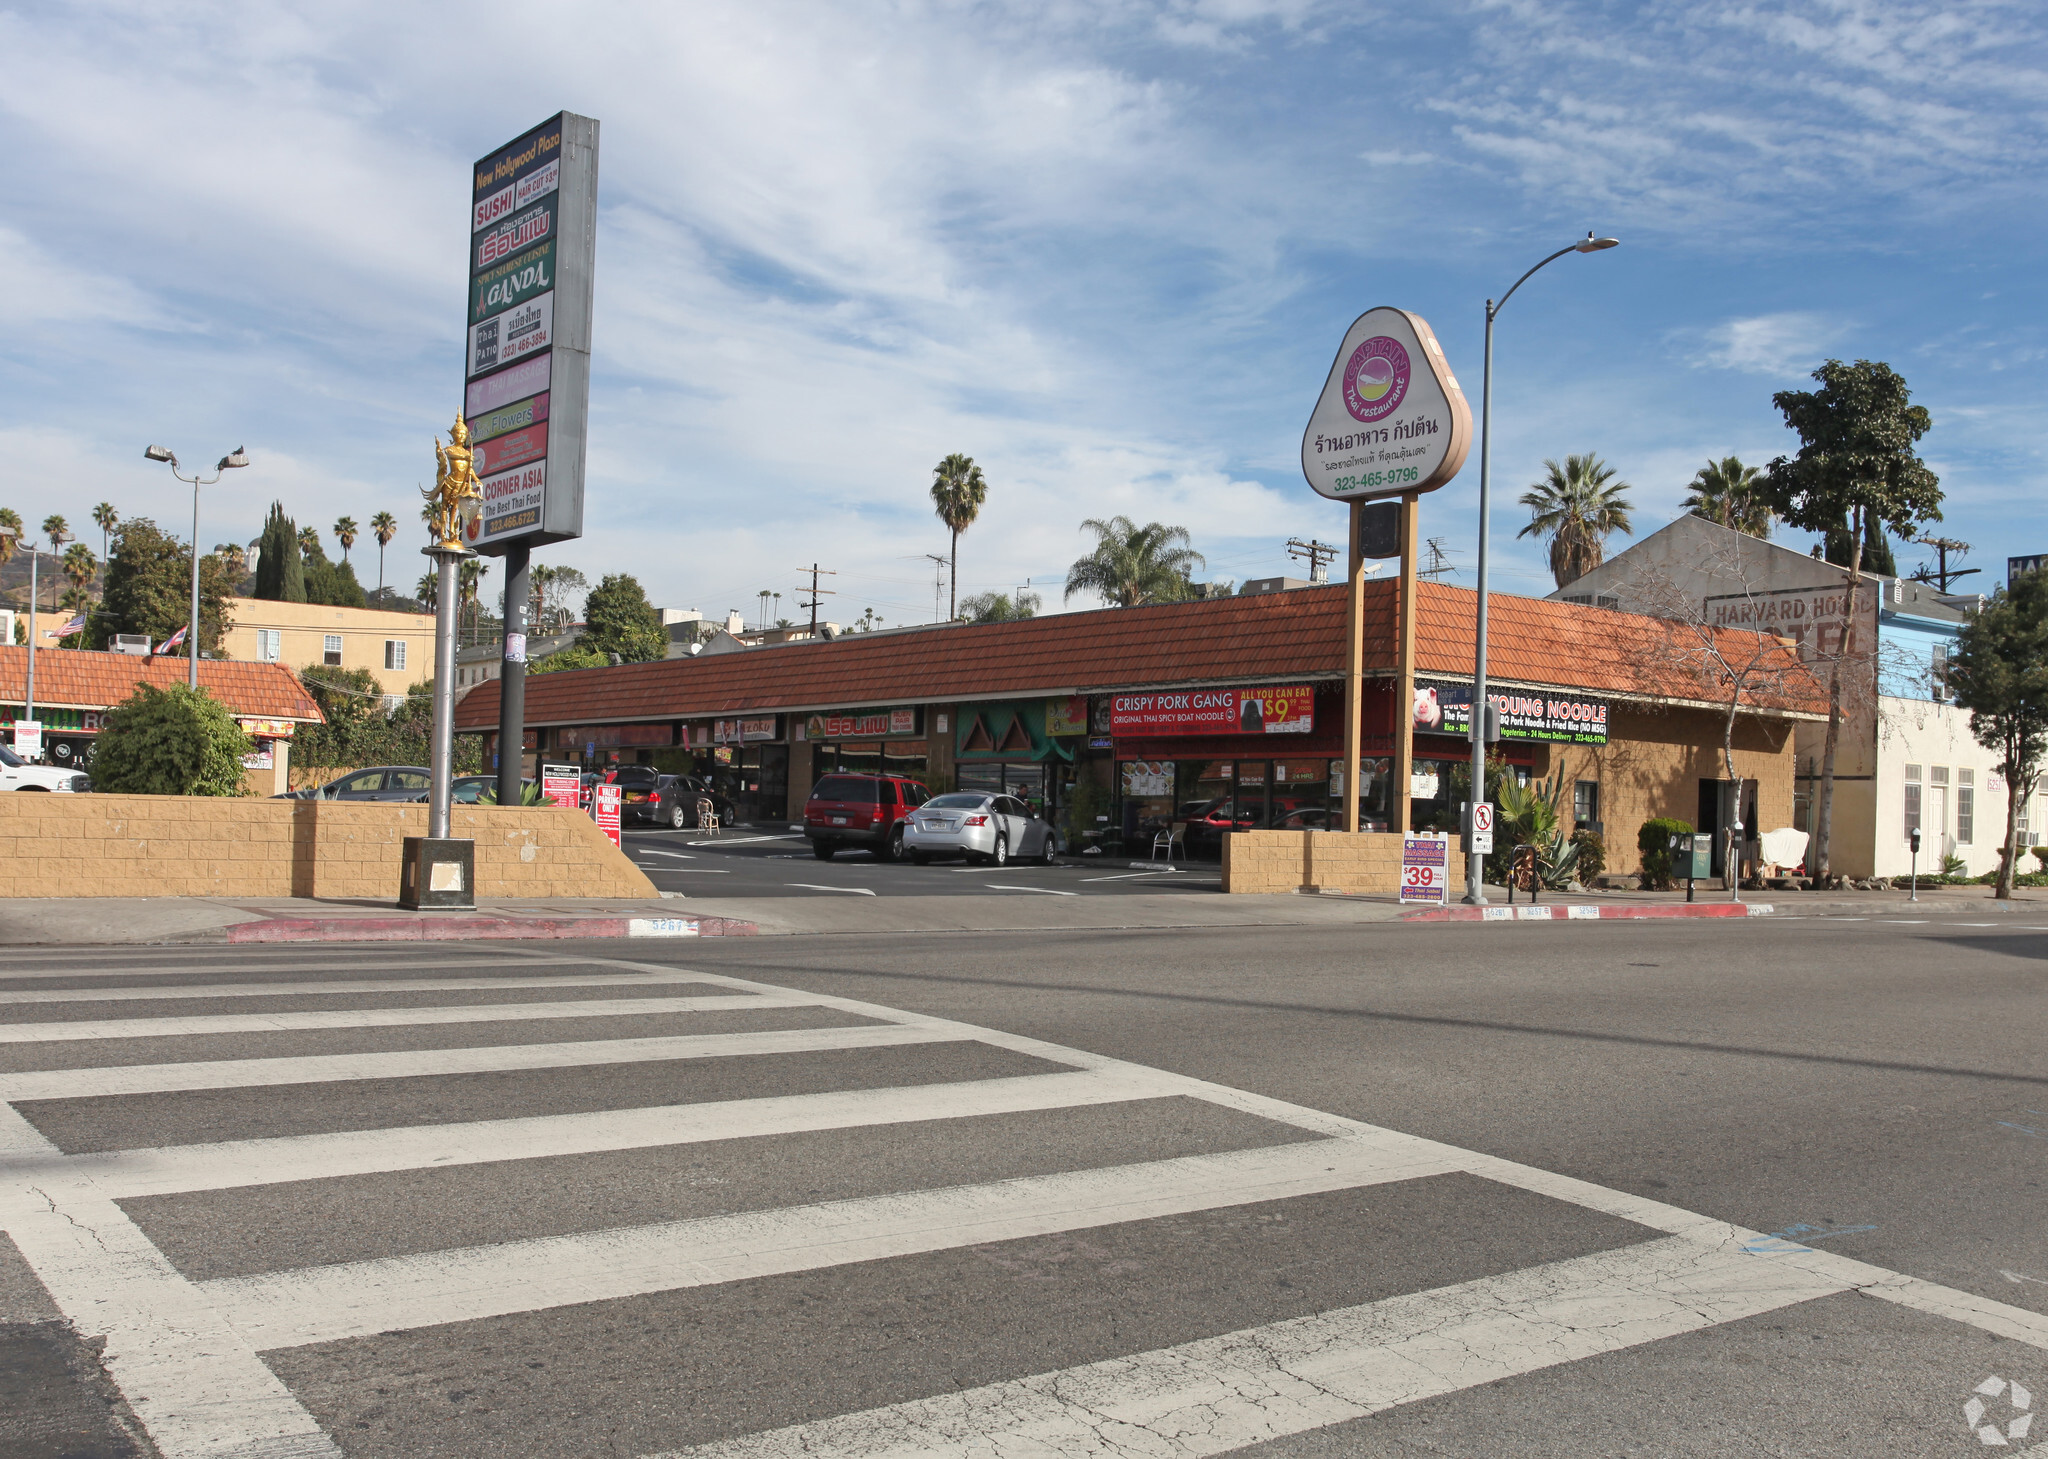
1391 419
1550 715
1275 711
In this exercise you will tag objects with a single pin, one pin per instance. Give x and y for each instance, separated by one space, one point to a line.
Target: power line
815 592
1943 546
1319 556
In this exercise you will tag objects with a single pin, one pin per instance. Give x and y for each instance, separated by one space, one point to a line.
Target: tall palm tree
1133 565
1732 494
429 590
11 520
469 585
234 559
1576 506
345 533
309 541
80 566
957 494
106 518
59 532
383 527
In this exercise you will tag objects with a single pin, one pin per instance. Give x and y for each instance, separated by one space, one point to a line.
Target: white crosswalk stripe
185 1351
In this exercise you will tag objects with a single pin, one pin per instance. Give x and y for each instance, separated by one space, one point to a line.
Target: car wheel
1001 855
892 849
823 850
1048 854
677 820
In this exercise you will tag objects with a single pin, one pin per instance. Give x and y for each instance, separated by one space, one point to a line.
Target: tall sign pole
1390 422
533 247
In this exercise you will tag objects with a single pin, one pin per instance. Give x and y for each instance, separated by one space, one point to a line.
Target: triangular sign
978 738
1391 419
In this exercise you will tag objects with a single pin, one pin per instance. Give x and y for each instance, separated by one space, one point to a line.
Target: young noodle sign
1274 711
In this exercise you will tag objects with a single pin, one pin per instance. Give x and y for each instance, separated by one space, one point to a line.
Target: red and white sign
1288 710
604 805
561 784
1426 868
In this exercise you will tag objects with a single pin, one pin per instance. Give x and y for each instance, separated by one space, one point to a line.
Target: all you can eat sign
1267 711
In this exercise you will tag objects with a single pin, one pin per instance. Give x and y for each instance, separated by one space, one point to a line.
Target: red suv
861 810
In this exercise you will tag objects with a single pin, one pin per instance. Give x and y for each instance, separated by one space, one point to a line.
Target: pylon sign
1391 419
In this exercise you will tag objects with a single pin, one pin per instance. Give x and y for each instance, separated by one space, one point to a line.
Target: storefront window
1298 795
1147 797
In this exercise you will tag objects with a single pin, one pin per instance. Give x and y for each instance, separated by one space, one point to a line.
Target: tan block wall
1368 863
197 846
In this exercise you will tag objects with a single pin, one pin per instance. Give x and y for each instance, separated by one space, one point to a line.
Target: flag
172 642
76 625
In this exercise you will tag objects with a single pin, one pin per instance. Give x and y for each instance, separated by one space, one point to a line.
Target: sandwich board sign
1391 419
1426 868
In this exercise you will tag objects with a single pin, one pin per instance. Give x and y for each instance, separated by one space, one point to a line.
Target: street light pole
1475 865
226 463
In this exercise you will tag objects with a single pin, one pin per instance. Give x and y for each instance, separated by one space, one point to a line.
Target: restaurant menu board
533 231
1288 710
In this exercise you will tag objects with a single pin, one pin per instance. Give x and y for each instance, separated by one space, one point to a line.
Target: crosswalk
376 1204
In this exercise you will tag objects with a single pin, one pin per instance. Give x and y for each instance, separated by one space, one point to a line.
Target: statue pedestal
437 872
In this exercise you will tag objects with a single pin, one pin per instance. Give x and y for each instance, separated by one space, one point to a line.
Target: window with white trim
1966 806
331 651
1912 800
394 653
269 645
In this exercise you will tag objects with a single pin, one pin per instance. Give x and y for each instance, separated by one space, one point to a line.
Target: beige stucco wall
1368 863
196 846
303 628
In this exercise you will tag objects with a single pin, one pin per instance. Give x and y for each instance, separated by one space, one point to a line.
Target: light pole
226 463
1475 865
28 710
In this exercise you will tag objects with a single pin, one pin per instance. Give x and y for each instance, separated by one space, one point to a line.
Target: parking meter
1913 840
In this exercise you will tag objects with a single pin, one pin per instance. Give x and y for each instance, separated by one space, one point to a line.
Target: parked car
469 790
17 774
980 827
380 782
861 810
671 800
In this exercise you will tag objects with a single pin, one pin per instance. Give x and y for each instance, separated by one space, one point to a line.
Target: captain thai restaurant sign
1550 716
1391 418
1282 710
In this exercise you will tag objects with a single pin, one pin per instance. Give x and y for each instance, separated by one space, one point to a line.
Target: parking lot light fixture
235 458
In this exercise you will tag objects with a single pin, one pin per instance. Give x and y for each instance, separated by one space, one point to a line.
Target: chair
1170 838
707 815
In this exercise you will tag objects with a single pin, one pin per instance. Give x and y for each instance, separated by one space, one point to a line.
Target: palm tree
106 518
234 559
470 581
429 590
1732 494
309 541
59 532
1133 565
345 534
957 494
1576 505
11 520
80 566
383 527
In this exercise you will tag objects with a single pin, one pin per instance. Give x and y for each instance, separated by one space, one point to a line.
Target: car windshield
847 787
11 760
958 801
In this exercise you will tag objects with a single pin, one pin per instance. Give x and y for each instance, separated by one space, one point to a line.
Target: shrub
176 741
1654 841
1592 854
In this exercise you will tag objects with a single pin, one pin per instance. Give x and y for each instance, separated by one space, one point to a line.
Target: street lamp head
233 459
1594 245
158 453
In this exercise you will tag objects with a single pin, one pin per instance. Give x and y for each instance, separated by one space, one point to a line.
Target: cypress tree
280 574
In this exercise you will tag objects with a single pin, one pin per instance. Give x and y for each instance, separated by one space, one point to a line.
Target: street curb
1578 912
425 929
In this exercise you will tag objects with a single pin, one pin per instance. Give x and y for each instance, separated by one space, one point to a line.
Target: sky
1107 250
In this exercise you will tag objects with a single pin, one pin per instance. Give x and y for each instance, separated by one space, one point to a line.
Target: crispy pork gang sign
1391 418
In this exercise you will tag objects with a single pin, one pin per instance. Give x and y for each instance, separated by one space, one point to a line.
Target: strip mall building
1215 715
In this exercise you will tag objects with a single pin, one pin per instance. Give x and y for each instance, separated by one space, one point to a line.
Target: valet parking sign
533 231
1391 418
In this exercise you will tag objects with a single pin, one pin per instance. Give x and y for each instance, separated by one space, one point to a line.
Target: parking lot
756 862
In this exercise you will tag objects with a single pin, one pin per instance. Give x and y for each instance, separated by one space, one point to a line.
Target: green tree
345 533
1131 566
1877 548
573 657
958 492
106 519
11 520
383 527
999 607
58 531
352 703
1999 672
80 565
1576 506
175 741
280 571
148 585
619 620
1855 465
1732 494
328 582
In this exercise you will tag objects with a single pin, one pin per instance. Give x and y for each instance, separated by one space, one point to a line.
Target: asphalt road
1678 1188
767 863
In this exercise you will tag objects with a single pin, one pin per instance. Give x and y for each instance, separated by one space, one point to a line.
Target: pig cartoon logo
1429 714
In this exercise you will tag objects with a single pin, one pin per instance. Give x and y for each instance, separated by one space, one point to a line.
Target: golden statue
455 485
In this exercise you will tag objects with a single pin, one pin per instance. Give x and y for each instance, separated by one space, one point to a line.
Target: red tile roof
80 679
1261 637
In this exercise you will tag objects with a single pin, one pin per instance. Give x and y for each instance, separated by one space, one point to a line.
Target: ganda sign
1391 418
1286 711
533 227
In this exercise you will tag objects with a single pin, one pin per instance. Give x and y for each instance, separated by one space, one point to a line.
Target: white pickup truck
17 774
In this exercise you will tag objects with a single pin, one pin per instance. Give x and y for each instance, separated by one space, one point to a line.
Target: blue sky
1105 249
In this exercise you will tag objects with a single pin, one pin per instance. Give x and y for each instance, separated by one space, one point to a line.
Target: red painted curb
431 929
1578 912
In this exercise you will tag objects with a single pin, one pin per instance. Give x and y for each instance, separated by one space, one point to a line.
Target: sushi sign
1391 419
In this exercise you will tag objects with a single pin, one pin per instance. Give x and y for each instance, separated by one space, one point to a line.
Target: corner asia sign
533 229
1391 418
1525 714
1274 711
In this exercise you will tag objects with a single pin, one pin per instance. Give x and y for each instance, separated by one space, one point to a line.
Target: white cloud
1779 345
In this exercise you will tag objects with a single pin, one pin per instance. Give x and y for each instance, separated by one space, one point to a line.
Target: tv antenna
1439 564
938 583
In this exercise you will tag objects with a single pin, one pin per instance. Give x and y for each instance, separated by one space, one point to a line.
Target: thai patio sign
1391 418
533 232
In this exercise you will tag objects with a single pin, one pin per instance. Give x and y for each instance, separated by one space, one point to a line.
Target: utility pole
816 572
1318 555
1941 575
1439 564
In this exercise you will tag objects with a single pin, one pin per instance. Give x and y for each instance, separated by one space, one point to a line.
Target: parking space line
1048 891
811 886
131 994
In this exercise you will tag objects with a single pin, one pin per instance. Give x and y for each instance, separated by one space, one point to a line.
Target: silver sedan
979 826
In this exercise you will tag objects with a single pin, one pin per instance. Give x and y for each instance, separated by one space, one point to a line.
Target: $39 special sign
1426 868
